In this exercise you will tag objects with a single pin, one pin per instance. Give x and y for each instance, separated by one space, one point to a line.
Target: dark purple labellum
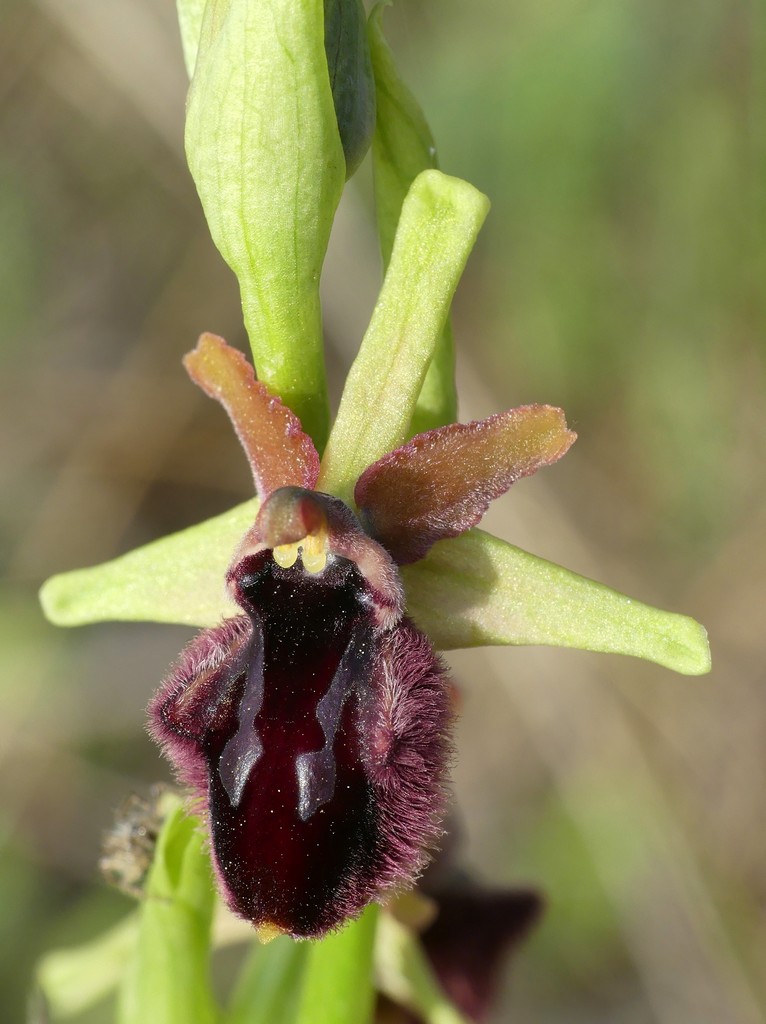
312 727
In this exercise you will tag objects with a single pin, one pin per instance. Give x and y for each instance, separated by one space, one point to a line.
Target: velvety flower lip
313 727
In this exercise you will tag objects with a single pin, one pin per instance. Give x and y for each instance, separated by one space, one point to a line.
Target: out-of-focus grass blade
268 990
338 981
73 980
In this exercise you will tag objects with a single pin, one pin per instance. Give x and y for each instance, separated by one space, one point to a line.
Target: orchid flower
312 724
313 727
311 716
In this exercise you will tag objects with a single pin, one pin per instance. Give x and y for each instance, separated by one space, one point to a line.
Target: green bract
263 147
337 985
269 986
440 220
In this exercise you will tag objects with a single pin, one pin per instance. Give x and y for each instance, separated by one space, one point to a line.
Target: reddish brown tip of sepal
441 483
279 452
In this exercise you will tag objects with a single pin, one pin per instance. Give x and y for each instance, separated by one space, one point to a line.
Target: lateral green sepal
477 590
178 579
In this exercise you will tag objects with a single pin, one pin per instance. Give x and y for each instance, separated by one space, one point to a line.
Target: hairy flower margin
377 545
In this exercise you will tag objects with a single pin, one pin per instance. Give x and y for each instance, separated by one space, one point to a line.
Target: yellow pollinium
286 555
313 548
315 552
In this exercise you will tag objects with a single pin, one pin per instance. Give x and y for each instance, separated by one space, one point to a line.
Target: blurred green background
620 275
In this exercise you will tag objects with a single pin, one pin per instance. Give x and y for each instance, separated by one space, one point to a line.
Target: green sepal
402 147
268 988
167 979
264 151
440 220
179 579
338 980
477 590
469 591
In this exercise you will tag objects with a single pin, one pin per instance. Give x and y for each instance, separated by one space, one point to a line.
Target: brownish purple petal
279 452
471 938
441 483
467 942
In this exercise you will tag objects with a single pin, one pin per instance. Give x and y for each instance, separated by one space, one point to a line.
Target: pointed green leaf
179 579
440 219
268 989
402 147
476 590
167 979
190 23
264 151
73 980
405 976
338 983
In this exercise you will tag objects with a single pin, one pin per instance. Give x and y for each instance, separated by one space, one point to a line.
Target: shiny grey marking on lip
244 748
316 770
